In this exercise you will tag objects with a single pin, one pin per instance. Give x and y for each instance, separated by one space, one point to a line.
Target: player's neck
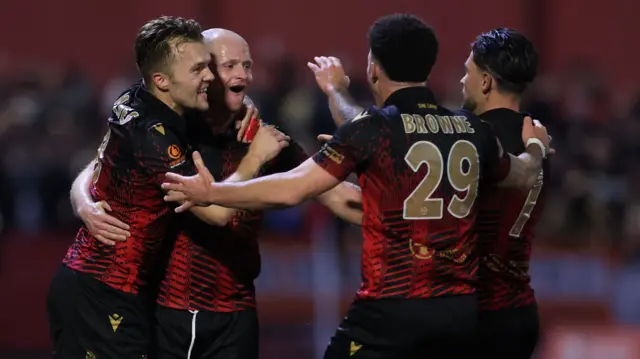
387 89
501 101
225 126
167 100
220 118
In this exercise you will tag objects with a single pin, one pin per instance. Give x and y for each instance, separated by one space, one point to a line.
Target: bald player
233 65
206 302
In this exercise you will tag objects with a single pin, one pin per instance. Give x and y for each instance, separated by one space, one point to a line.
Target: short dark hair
508 56
158 38
404 46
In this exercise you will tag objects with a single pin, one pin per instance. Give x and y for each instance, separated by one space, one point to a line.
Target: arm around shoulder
525 169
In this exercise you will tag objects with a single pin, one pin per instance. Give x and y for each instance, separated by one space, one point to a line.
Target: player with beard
420 166
98 299
207 305
501 65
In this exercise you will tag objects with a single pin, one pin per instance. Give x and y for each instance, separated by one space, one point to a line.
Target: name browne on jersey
436 124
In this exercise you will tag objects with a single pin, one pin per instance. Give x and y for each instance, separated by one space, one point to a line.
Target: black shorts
509 333
180 334
88 319
443 327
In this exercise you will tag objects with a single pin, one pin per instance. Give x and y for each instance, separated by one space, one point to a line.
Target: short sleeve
350 148
497 162
159 149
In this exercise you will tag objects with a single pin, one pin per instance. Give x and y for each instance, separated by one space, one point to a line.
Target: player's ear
486 83
375 72
161 81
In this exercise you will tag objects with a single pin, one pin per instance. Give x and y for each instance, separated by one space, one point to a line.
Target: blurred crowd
53 118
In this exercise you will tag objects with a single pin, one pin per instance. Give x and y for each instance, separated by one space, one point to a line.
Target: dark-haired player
501 65
97 300
206 302
419 166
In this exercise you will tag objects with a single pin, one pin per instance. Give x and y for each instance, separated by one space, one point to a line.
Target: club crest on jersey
421 251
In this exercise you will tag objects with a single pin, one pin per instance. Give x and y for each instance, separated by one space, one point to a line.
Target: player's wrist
333 90
254 160
82 209
211 194
207 199
535 151
537 143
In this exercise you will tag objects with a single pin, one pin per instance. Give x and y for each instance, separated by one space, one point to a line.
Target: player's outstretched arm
277 190
104 227
216 215
348 150
264 147
345 201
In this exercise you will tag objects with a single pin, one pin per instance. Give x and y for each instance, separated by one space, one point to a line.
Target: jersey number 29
420 204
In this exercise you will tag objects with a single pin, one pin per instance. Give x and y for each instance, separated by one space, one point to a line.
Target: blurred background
62 64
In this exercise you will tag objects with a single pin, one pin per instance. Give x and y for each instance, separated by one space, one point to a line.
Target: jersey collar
411 96
503 117
165 114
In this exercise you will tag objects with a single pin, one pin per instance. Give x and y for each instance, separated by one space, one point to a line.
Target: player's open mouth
237 88
202 93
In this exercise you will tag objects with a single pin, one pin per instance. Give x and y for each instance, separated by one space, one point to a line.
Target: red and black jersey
145 140
506 223
419 167
213 268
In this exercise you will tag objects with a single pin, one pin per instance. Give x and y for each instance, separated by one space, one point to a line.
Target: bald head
212 35
225 45
232 63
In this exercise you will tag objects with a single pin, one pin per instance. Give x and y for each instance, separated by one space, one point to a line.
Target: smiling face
185 76
232 64
190 76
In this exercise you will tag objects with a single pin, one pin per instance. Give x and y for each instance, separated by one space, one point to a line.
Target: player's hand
534 129
189 191
173 194
329 74
324 138
268 143
252 113
105 228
